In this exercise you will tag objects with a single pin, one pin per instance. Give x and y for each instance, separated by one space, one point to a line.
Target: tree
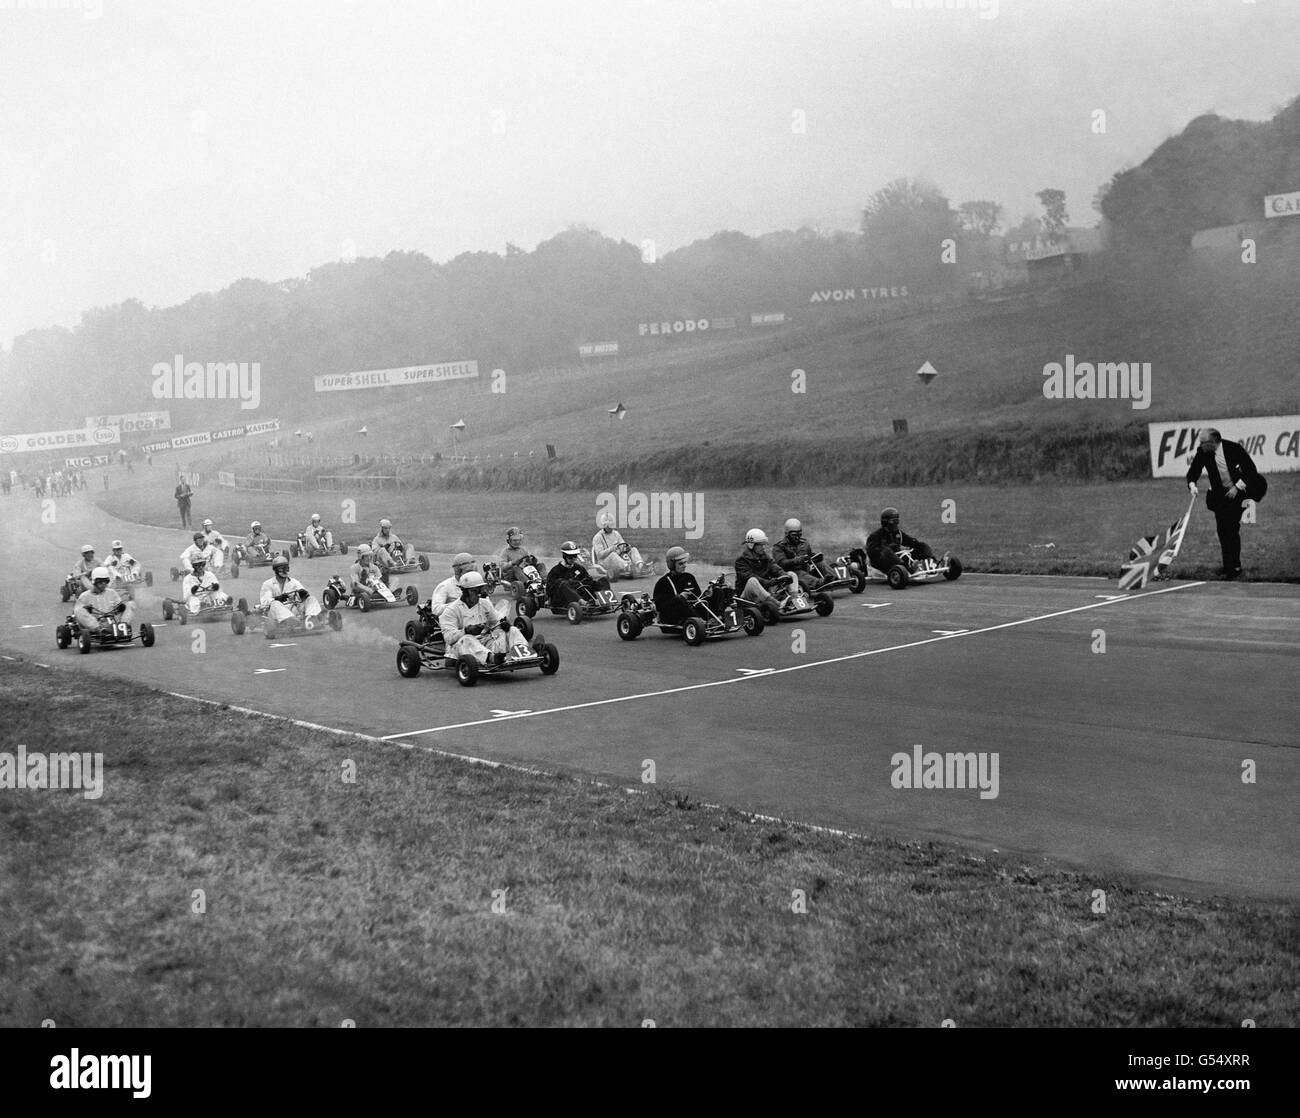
1055 219
980 218
904 225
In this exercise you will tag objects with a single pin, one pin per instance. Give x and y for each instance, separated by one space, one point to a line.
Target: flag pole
1187 523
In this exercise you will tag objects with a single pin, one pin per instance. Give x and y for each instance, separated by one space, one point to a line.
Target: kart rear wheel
574 613
415 632
412 596
146 634
751 622
330 597
65 593
363 603
524 626
467 671
857 582
167 609
628 625
693 631
83 643
343 549
408 661
897 575
550 659
293 551
527 605
63 636
954 569
335 619
424 562
238 623
824 604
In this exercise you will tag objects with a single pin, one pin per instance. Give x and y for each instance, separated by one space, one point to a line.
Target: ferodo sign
1272 441
134 421
59 440
678 326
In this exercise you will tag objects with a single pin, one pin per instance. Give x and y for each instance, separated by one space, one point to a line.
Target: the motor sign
1272 441
59 440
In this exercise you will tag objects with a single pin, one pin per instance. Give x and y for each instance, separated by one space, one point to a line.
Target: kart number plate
120 629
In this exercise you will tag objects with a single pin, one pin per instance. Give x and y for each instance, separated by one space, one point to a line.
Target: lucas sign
395 378
1272 441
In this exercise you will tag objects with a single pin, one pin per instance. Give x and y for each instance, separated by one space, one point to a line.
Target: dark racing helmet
280 563
675 556
889 517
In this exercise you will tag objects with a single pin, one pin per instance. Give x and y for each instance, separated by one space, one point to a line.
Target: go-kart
404 563
380 595
243 619
798 603
718 616
426 622
179 573
110 633
216 606
592 602
624 551
430 651
71 588
320 542
257 555
530 595
909 570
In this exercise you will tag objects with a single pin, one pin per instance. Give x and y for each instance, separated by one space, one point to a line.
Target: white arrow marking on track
506 713
31 626
754 671
268 671
875 605
949 632
290 644
1111 597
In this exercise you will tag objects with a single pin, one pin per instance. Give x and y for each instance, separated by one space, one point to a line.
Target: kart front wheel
363 603
897 576
330 598
415 632
550 659
857 582
63 636
628 626
412 596
693 631
525 627
467 671
527 605
408 661
574 613
824 605
83 643
238 623
954 569
424 562
146 634
752 622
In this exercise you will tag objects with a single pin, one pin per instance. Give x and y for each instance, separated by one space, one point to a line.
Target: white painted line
874 605
755 671
1111 597
31 626
950 632
268 671
291 644
507 713
791 668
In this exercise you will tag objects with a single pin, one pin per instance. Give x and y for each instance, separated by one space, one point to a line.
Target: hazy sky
154 150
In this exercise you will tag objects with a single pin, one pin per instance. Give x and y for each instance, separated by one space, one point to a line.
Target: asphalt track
1128 759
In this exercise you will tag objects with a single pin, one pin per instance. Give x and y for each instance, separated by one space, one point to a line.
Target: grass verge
373 900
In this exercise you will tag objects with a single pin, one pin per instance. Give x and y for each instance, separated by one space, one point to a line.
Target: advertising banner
394 378
1272 441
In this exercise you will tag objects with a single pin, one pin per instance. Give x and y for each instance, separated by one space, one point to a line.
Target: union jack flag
1151 555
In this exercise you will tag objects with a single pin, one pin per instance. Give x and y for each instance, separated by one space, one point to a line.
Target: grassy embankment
373 900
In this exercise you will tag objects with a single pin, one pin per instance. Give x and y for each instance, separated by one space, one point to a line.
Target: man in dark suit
1233 480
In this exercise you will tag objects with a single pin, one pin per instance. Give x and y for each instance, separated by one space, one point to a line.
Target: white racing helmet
754 537
100 573
605 522
471 580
